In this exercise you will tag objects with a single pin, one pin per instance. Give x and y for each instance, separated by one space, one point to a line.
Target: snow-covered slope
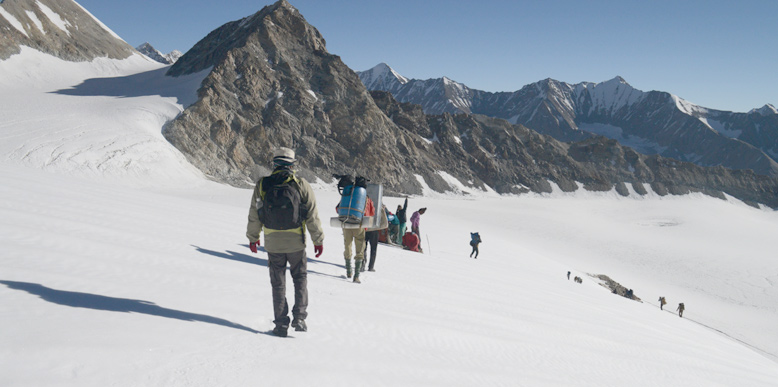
121 265
93 118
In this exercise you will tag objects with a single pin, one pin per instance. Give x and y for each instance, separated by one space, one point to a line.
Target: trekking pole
428 244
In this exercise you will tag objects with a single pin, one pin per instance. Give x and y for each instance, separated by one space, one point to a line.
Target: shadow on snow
256 260
113 304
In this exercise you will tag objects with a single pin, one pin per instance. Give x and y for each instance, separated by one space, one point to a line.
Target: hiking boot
279 331
299 325
348 268
371 269
356 271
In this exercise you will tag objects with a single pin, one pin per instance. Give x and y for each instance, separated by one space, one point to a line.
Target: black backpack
282 207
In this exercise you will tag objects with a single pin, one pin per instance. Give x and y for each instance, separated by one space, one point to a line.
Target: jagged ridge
653 122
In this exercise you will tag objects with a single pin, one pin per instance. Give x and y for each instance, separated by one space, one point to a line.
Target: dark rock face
651 122
271 83
615 287
61 28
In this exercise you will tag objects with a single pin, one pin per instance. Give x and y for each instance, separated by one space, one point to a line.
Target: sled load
353 197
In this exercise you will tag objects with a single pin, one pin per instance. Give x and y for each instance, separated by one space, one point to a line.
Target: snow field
121 265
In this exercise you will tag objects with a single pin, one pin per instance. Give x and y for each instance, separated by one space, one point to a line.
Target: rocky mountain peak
272 83
278 23
151 52
381 76
766 110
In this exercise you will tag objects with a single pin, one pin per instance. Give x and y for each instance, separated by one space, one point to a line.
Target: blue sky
717 54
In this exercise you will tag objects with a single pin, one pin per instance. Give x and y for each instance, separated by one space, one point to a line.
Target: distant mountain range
652 122
151 52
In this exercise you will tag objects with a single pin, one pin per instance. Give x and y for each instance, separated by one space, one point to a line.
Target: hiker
411 242
415 221
284 206
475 239
394 228
357 237
662 303
568 275
402 218
373 235
680 309
371 240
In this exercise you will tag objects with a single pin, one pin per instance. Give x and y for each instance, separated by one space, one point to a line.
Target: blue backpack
474 238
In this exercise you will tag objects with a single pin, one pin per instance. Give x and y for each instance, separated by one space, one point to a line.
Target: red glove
253 246
318 250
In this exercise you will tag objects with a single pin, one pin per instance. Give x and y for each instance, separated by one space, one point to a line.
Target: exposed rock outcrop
61 28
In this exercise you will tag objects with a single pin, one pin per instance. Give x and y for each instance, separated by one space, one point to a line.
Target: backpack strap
292 177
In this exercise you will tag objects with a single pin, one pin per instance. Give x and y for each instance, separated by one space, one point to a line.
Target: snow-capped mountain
61 28
151 52
652 122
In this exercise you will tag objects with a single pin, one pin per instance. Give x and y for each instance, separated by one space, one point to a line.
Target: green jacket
287 241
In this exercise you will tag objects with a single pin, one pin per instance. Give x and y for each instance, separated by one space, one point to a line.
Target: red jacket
411 241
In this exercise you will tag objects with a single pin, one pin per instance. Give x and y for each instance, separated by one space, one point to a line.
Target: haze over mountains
652 122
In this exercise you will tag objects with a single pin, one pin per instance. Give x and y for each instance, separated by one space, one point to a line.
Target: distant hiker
357 237
568 275
402 218
411 241
415 221
680 309
662 303
629 294
475 239
284 205
578 280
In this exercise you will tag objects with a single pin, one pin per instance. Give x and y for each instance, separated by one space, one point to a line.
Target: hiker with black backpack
284 206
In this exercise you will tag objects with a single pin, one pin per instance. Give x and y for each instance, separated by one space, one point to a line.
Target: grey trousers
298 265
